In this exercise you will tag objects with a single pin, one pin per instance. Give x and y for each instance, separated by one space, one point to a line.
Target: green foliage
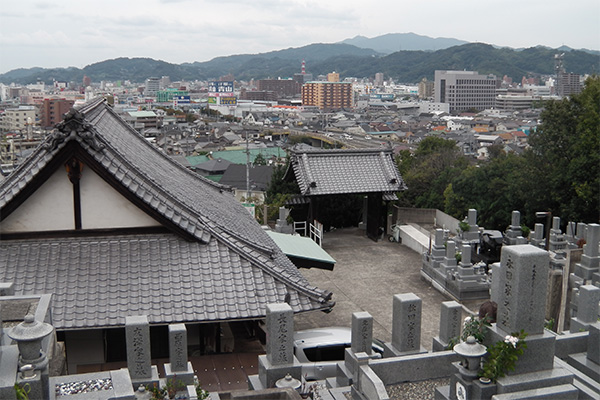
464 226
503 356
403 66
22 392
428 172
494 189
260 160
472 326
526 231
157 392
565 156
172 386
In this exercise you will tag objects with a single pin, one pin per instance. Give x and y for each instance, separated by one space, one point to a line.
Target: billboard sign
212 100
228 101
221 87
181 100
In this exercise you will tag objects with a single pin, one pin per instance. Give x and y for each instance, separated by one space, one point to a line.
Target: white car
320 349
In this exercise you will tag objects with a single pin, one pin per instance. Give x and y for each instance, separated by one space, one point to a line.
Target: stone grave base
269 373
186 376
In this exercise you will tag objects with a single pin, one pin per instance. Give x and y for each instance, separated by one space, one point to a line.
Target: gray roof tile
321 172
98 280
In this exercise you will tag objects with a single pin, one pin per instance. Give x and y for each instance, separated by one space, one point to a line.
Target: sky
78 33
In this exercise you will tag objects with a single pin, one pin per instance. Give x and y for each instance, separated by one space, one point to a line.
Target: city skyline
45 34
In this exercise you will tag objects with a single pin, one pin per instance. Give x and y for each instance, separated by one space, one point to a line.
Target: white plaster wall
48 208
104 207
51 207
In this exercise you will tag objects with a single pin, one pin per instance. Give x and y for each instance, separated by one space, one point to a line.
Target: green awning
302 251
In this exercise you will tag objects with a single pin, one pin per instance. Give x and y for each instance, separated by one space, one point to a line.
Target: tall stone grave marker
279 359
514 233
450 324
362 333
523 277
537 239
590 260
137 337
178 365
361 342
406 326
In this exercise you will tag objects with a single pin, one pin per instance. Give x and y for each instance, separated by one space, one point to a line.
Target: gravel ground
422 390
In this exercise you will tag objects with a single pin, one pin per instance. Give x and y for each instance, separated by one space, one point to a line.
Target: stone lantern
288 381
29 335
471 353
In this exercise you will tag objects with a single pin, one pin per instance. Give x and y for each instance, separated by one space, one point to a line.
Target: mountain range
357 57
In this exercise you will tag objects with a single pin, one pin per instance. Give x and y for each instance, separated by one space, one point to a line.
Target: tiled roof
241 257
97 281
321 172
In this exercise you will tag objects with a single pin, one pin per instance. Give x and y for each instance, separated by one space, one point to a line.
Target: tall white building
465 90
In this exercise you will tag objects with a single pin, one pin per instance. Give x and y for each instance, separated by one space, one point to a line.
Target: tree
428 172
565 156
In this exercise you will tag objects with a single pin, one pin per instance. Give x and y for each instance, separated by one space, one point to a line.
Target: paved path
365 278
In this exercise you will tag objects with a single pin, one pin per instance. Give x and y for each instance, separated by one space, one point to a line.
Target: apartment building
17 119
568 83
328 95
465 90
52 110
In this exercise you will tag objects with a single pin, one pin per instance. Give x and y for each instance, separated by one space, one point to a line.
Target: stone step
534 380
560 392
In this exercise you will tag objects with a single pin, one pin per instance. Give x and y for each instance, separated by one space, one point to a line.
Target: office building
152 86
465 90
327 95
281 87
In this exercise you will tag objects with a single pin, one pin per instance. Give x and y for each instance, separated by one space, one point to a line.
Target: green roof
239 156
301 247
142 114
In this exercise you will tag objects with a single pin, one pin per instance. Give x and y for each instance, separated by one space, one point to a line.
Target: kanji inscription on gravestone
523 282
137 336
178 356
362 332
280 333
406 331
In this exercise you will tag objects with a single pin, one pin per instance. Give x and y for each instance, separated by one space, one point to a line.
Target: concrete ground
366 276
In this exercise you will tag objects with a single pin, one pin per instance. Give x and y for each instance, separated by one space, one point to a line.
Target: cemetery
549 365
101 233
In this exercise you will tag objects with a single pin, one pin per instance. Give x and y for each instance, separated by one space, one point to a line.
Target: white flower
511 340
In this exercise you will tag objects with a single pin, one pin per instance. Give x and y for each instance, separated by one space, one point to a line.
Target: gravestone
279 360
514 233
438 251
362 333
558 241
590 259
282 225
406 326
137 338
178 365
587 308
537 239
450 324
361 342
522 282
472 235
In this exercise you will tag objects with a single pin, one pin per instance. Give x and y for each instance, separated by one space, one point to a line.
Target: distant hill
393 42
349 61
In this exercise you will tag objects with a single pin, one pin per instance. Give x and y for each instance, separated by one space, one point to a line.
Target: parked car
320 349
